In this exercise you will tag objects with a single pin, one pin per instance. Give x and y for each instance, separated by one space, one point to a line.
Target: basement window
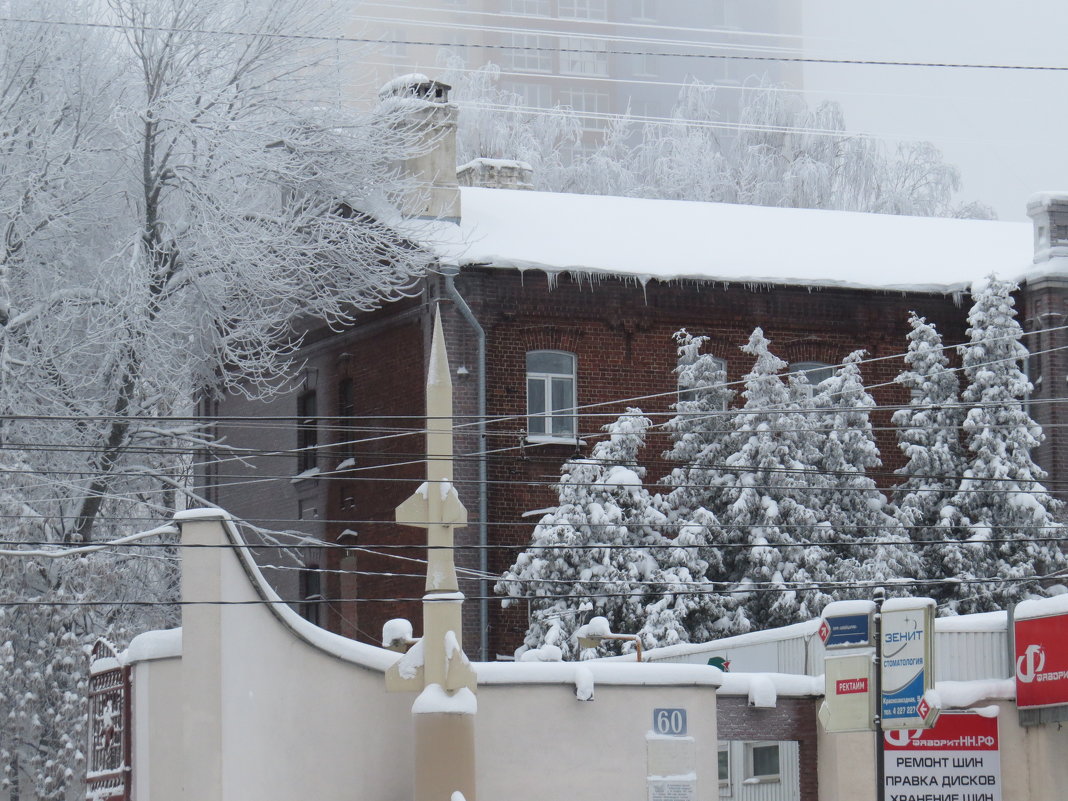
761 763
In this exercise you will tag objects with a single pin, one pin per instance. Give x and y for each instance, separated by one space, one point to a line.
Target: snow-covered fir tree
700 430
928 432
689 578
868 542
1001 516
602 502
768 509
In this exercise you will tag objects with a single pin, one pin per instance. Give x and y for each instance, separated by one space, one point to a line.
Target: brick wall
791 719
621 335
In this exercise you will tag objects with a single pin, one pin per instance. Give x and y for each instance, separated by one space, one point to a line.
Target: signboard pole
880 739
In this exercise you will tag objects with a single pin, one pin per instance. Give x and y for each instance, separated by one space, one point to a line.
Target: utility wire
532 48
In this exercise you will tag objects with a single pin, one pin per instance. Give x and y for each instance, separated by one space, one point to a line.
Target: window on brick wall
690 393
311 594
551 394
815 372
346 411
307 431
1029 367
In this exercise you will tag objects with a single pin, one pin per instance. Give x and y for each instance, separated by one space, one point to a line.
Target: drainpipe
483 488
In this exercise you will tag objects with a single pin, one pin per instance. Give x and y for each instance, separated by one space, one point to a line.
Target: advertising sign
849 693
847 624
907 644
1041 660
957 760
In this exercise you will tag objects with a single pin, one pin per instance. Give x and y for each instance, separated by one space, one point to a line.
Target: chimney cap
1043 201
416 85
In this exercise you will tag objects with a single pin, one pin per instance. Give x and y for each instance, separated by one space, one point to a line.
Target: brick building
553 301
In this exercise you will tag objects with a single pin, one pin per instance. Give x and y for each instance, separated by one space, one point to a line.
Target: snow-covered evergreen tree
1000 510
700 430
868 542
768 507
928 432
602 502
689 578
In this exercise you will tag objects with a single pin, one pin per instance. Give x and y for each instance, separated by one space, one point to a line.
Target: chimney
428 111
1049 212
496 174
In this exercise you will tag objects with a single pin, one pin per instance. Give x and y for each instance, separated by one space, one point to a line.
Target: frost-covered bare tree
778 152
177 191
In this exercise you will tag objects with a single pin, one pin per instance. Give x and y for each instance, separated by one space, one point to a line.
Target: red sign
953 732
923 708
957 760
824 631
1041 661
848 686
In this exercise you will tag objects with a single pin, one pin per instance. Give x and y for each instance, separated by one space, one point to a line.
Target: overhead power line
532 48
757 588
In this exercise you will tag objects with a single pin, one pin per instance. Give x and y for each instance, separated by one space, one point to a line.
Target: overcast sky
1005 130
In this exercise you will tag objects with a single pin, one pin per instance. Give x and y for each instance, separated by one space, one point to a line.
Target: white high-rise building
596 56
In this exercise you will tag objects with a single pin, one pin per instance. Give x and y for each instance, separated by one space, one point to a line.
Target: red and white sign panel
1041 661
958 759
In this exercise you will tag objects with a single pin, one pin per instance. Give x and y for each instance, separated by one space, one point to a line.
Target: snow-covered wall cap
978 622
857 607
674 240
902 604
663 674
165 644
1047 199
1041 607
807 628
497 164
202 513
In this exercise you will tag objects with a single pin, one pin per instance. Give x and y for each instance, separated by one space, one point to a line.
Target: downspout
483 488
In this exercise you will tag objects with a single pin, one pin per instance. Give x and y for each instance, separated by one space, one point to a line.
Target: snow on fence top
667 240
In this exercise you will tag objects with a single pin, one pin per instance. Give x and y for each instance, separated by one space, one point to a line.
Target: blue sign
846 631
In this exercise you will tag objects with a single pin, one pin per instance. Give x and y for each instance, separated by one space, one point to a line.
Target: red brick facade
621 335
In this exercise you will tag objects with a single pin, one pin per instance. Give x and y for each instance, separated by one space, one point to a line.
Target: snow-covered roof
670 240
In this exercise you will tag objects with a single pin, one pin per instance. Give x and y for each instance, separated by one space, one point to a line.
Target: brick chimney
428 110
496 174
1049 212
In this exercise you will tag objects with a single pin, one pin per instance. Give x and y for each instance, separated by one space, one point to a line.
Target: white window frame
645 10
583 9
724 750
550 415
587 57
528 8
534 60
585 102
751 777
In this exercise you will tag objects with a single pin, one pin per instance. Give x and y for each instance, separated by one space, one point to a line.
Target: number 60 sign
670 722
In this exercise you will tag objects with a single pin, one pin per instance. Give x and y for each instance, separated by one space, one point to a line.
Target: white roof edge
674 240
